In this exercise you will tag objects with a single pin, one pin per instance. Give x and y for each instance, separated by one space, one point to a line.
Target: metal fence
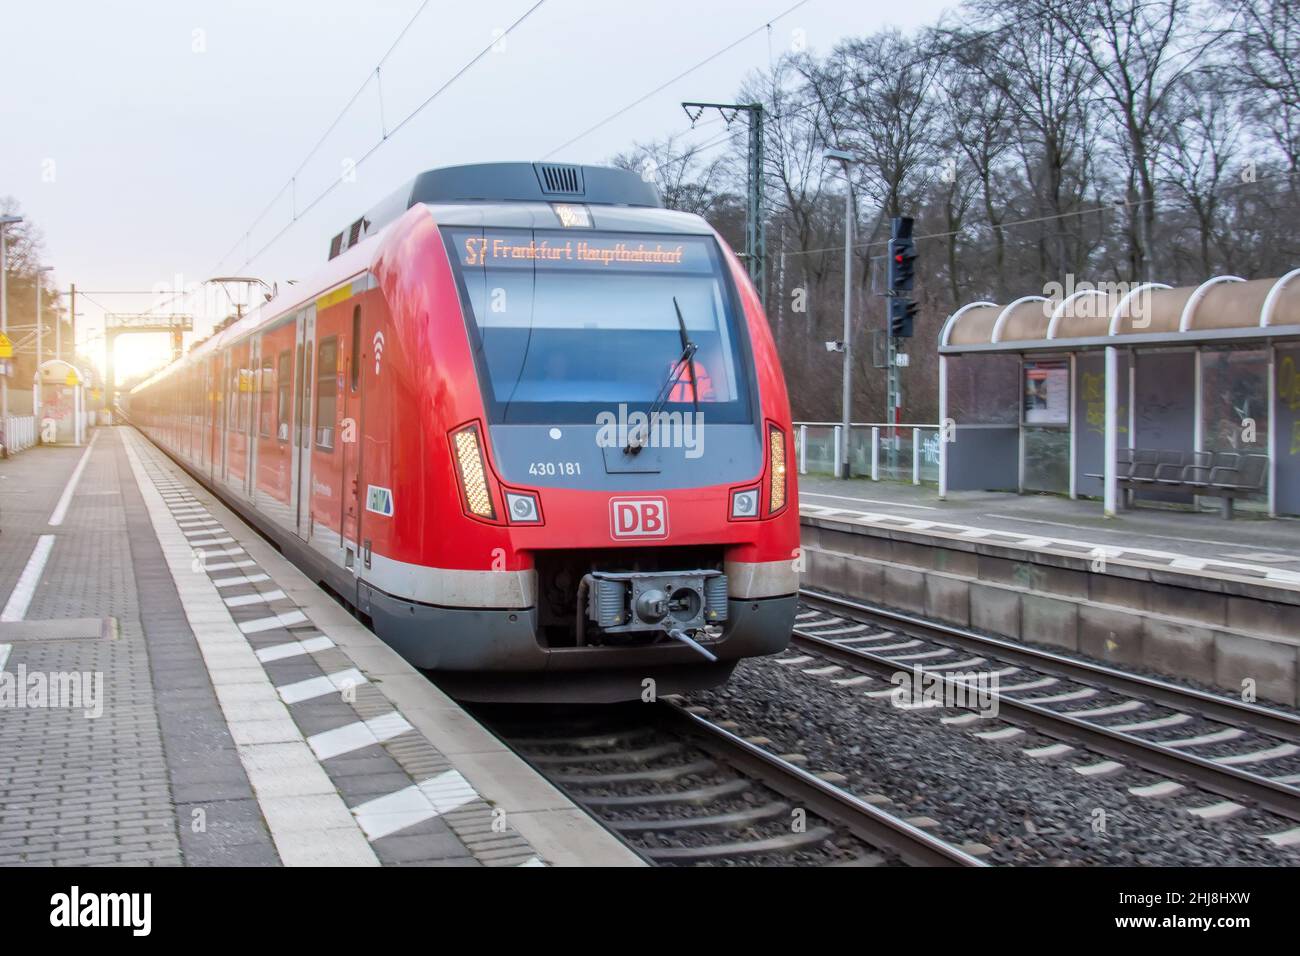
885 452
19 433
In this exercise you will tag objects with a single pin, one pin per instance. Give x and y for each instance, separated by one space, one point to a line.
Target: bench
1225 475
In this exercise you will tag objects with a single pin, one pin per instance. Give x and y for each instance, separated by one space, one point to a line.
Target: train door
251 442
292 417
352 417
304 378
214 416
226 403
237 417
201 439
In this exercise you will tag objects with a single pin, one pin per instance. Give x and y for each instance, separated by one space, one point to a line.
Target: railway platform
174 692
1173 593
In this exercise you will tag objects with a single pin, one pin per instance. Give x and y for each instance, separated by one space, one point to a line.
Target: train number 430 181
549 468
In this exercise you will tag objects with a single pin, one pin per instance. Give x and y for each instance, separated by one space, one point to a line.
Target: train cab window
265 397
354 354
284 399
327 392
567 326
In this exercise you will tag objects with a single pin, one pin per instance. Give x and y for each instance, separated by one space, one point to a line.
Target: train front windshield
568 325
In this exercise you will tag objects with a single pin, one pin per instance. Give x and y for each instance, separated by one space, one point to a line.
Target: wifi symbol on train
379 349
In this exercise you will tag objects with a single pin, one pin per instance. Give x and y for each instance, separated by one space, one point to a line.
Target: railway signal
902 313
902 256
902 277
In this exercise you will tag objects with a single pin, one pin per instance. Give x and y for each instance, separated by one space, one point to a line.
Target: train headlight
522 508
744 504
473 476
776 468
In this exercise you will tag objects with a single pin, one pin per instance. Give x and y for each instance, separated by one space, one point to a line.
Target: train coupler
624 601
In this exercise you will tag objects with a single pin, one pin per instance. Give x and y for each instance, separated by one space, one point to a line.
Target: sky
158 143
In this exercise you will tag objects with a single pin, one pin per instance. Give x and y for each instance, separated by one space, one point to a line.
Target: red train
527 422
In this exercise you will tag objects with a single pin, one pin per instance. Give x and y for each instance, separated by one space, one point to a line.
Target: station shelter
59 403
1058 392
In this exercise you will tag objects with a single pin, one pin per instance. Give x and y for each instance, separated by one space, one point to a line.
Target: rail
1217 776
865 821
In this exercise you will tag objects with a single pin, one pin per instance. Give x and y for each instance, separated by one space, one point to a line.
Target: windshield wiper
637 439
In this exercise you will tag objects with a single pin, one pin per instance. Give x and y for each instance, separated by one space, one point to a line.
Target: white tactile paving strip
1069 547
394 812
310 820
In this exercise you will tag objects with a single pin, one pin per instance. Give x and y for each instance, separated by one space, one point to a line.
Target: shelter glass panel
1047 459
1235 416
984 389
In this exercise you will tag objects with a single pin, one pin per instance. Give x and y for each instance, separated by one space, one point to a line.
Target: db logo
638 517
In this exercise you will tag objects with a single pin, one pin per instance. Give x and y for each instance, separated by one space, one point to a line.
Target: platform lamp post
41 272
846 158
4 313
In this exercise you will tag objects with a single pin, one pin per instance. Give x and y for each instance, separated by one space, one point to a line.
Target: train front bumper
488 643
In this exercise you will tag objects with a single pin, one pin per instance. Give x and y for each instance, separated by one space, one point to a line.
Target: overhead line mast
755 230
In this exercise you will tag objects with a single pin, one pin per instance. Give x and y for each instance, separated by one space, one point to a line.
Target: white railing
20 433
908 451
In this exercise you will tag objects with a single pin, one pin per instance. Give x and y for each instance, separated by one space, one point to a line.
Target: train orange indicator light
473 476
776 462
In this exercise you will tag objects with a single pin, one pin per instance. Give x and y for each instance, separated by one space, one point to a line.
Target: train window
265 397
232 399
354 353
284 386
245 398
327 391
568 328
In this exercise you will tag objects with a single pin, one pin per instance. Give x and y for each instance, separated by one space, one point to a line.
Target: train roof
504 183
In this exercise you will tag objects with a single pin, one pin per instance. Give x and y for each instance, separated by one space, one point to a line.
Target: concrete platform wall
1219 634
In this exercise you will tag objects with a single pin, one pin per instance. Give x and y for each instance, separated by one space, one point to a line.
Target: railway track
1190 736
682 790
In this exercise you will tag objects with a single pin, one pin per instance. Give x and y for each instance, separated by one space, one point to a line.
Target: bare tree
876 101
1204 134
977 117
1039 67
24 255
795 179
1140 51
686 178
1266 35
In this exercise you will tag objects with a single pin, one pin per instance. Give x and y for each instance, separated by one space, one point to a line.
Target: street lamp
41 272
4 315
846 159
